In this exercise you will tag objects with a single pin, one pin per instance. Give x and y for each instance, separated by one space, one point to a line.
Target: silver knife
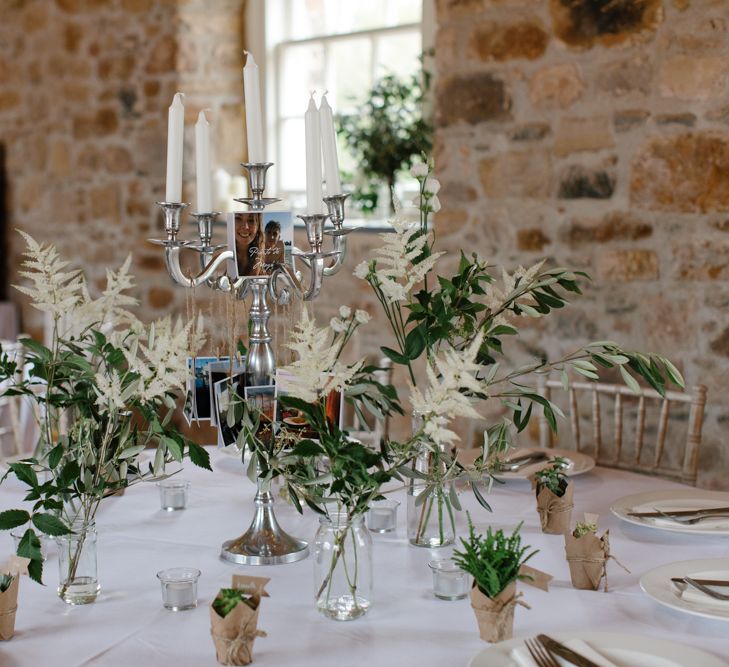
721 583
562 651
706 510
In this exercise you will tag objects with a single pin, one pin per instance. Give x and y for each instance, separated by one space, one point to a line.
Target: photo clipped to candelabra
293 419
260 241
197 395
219 370
263 400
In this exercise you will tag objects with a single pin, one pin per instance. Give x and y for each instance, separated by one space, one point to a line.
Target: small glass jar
179 587
173 494
78 581
382 516
342 567
449 581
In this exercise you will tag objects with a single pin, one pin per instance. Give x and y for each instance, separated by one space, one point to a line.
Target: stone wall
84 91
595 134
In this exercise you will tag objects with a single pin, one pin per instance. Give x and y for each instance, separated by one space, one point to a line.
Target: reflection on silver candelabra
265 542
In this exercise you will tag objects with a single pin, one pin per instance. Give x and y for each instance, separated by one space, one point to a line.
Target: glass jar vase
78 581
342 567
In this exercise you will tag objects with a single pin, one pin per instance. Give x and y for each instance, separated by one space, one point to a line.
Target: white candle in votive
254 120
202 164
312 132
329 148
175 137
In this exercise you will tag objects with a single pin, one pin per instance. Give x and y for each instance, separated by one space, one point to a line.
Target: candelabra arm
335 206
316 264
282 295
340 247
172 261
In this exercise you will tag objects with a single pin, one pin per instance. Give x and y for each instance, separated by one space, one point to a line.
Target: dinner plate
578 463
623 650
658 585
674 499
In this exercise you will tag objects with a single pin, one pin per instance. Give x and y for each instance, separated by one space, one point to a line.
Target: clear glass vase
430 517
78 581
342 567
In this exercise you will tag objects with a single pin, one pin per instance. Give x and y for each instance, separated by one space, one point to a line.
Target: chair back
648 452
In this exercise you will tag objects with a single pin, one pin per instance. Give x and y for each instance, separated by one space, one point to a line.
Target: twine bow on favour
241 641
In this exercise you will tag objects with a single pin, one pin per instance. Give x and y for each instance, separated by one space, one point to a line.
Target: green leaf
199 456
673 373
130 452
629 380
55 456
25 473
307 448
173 447
10 519
395 356
50 525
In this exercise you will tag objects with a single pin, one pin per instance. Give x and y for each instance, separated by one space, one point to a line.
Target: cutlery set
688 517
702 585
543 650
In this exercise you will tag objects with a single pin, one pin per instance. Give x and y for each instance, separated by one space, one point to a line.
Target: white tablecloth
127 626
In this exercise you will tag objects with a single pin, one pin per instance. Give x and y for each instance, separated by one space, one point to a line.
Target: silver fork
540 654
690 521
704 589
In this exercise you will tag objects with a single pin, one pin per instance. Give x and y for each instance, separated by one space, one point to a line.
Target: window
341 46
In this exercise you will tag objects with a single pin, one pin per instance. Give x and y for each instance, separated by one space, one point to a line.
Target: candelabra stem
261 363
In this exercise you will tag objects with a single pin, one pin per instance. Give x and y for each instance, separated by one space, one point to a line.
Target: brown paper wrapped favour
14 567
234 635
495 616
587 556
555 512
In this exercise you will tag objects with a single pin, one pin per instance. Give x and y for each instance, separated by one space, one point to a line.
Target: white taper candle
254 118
202 164
175 139
312 132
329 148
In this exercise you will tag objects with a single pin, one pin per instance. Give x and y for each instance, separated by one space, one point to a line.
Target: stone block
59 158
719 115
622 266
626 76
686 173
492 41
9 99
104 203
456 192
103 123
163 56
685 119
450 220
160 297
694 78
580 182
615 226
608 22
720 344
231 141
531 240
589 134
517 174
629 119
72 35
556 86
118 160
472 98
529 132
702 259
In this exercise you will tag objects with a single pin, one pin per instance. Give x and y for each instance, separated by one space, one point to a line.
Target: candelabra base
264 543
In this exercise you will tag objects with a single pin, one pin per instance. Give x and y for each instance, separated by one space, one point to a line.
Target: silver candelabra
265 542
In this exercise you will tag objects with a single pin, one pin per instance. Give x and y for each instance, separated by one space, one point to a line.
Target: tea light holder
179 587
173 494
382 516
449 581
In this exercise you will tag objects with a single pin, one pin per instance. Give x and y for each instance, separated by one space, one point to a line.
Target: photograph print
260 241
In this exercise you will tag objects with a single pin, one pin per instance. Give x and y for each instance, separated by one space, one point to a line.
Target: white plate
657 584
578 463
623 650
674 499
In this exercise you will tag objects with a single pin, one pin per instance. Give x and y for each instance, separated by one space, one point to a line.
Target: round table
406 625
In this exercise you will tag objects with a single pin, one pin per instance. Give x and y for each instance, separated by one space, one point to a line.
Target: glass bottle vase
342 567
78 581
430 518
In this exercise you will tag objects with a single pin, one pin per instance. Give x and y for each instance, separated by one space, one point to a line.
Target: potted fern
494 561
554 498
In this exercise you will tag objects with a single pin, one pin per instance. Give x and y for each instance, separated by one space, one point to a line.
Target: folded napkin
521 657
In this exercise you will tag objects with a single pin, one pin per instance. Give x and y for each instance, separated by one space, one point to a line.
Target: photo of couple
260 241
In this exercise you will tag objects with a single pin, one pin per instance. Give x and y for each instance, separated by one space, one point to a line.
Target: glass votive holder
179 587
44 542
449 581
382 516
173 494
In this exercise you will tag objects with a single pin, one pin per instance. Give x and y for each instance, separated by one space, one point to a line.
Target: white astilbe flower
498 295
108 391
398 264
344 312
362 270
449 376
316 372
52 289
336 325
419 170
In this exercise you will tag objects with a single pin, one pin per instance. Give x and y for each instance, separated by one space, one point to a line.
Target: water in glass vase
342 567
77 567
